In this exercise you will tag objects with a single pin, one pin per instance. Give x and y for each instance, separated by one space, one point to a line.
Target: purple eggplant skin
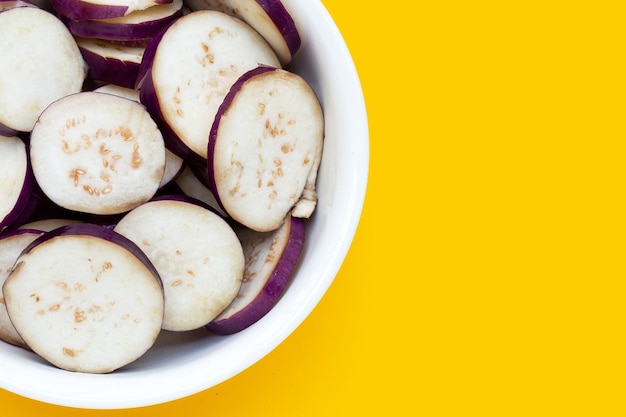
170 189
83 9
261 69
149 99
25 204
110 70
79 9
148 56
18 232
7 131
27 211
275 286
275 9
126 33
202 173
45 209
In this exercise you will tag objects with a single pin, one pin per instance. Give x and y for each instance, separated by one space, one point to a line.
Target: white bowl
180 365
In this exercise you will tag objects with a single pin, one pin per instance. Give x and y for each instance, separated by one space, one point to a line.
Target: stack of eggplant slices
158 165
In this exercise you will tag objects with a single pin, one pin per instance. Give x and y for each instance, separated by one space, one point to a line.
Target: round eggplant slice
97 153
265 148
197 254
85 298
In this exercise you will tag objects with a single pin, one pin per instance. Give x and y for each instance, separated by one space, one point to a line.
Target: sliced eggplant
101 9
182 87
137 26
266 167
197 254
271 259
110 62
97 153
85 298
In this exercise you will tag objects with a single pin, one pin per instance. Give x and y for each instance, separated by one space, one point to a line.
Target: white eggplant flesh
97 153
268 17
40 64
197 254
16 181
85 299
265 148
183 87
11 246
271 261
174 164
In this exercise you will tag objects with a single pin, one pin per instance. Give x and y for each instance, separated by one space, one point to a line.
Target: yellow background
487 274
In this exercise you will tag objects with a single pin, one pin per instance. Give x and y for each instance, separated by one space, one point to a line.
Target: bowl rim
29 378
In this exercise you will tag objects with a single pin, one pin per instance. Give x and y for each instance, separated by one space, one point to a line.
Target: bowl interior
181 364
